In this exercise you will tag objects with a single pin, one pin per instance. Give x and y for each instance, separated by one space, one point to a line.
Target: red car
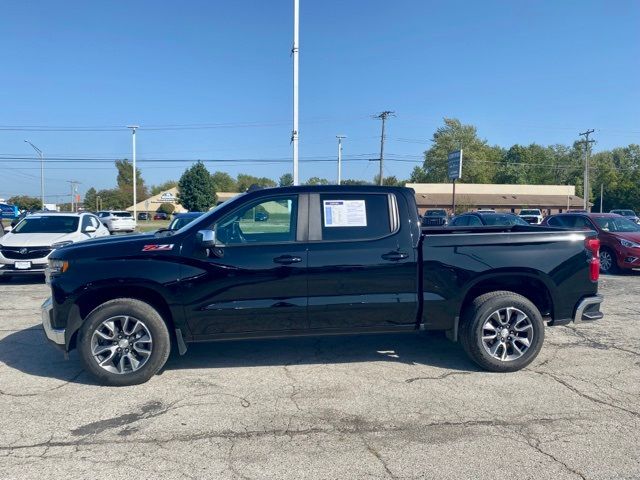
619 237
161 216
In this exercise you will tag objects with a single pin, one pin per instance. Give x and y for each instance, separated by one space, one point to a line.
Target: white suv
25 249
118 221
531 215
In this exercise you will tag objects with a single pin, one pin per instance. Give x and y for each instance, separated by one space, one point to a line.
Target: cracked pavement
385 406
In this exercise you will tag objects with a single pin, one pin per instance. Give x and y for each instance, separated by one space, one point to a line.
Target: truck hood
111 244
34 239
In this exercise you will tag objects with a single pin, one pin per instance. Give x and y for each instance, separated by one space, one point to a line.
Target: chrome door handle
287 259
395 256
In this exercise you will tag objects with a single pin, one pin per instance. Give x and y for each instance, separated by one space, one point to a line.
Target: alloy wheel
606 261
507 334
121 344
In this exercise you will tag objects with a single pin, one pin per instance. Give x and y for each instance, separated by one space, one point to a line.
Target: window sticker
345 213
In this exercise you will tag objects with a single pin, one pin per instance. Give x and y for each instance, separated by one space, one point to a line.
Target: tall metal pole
601 195
340 137
39 152
295 53
586 166
383 116
135 172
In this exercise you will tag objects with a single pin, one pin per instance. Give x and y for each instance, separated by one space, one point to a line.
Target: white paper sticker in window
345 213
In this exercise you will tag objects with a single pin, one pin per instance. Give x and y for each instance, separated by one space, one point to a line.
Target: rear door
362 266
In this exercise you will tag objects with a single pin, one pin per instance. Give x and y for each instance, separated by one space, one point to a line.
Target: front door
256 281
362 265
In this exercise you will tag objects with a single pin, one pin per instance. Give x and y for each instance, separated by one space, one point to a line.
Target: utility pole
383 116
295 53
586 142
135 172
340 137
39 152
601 195
74 190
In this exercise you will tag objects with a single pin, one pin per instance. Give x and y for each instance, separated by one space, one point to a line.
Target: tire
111 340
513 355
610 261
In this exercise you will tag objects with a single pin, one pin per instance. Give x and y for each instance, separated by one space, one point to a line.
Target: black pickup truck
316 261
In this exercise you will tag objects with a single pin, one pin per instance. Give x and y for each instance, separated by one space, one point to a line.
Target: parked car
435 218
531 215
630 214
335 259
619 237
182 219
25 250
117 221
161 216
143 216
486 218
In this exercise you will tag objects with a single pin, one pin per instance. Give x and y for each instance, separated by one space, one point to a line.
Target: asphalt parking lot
351 407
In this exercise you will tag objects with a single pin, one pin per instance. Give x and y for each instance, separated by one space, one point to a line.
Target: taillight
593 245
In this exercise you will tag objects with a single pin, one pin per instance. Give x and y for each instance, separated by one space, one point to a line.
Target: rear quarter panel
454 263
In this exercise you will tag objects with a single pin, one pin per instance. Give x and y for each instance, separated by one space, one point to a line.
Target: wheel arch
529 285
93 298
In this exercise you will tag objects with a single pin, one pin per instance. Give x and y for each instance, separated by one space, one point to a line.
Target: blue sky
520 71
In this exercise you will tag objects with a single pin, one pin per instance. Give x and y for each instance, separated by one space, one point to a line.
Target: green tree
113 199
389 181
89 201
245 181
25 202
224 182
167 208
479 160
125 180
286 180
196 191
163 187
351 181
317 181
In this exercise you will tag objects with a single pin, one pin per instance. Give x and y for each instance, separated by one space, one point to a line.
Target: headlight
628 244
61 244
58 266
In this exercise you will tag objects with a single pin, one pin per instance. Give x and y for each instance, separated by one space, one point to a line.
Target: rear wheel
608 262
502 331
124 342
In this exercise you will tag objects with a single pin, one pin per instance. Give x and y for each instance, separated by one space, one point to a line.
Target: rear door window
355 217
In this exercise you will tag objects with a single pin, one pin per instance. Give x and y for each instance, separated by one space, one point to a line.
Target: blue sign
454 166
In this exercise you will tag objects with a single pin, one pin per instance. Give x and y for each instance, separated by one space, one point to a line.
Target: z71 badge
157 248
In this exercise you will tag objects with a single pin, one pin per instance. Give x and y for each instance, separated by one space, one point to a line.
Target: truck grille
433 222
24 253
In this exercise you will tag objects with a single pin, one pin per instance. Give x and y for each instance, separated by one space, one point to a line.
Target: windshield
435 213
619 224
529 212
505 220
180 222
627 213
233 200
49 224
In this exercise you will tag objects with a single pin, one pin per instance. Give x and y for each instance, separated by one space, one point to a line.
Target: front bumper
53 334
588 309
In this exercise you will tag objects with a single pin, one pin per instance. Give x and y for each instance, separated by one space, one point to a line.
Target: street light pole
135 173
294 52
39 152
340 137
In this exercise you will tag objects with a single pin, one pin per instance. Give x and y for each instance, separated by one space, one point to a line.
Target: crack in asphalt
584 395
439 377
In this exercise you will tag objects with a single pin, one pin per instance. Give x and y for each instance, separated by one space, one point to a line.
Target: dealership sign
454 166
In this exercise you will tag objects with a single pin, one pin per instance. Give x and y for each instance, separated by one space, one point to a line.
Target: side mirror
207 238
89 229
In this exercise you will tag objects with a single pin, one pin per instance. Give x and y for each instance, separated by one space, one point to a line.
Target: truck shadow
29 352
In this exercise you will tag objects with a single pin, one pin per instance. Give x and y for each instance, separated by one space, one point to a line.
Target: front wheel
502 331
123 342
